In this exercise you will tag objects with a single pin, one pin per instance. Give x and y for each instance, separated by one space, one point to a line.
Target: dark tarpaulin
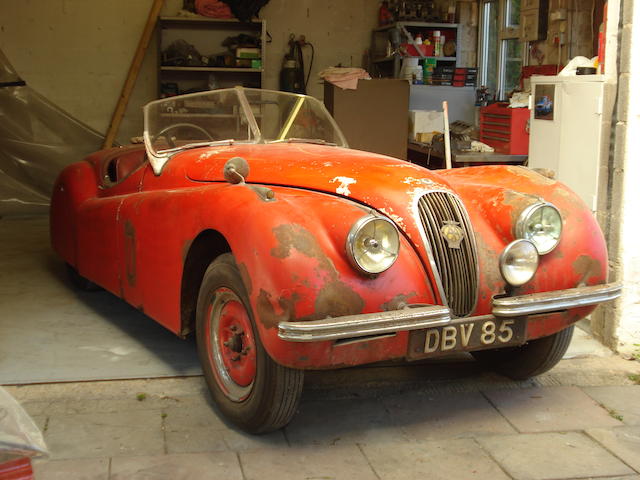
245 10
37 140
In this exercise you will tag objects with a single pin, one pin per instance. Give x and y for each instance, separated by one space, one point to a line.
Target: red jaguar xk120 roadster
246 219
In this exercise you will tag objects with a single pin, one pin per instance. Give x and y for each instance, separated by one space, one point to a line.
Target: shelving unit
385 65
207 35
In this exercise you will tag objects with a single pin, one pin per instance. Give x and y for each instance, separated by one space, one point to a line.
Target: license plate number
461 335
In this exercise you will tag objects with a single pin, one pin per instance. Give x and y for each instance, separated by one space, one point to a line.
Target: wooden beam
132 76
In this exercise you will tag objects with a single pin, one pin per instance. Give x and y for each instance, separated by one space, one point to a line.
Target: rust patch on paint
334 299
518 201
296 237
337 299
533 177
130 252
586 267
267 313
397 302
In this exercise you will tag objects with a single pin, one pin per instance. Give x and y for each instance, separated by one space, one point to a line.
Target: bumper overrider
415 317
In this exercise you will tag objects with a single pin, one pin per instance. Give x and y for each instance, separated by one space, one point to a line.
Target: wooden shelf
205 20
416 24
211 69
389 59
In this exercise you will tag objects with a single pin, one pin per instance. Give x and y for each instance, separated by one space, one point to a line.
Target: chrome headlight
540 223
373 244
519 262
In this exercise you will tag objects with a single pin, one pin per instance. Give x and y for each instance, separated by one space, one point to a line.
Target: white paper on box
425 121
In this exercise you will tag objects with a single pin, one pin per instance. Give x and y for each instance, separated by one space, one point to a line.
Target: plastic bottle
436 43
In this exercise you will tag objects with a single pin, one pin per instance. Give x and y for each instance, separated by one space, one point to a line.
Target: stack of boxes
465 77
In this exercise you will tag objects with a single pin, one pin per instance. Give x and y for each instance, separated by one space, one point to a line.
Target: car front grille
457 267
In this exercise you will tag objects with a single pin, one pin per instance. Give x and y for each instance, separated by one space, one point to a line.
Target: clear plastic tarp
37 140
19 436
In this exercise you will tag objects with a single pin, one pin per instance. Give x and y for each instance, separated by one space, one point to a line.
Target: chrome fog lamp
373 244
540 223
519 262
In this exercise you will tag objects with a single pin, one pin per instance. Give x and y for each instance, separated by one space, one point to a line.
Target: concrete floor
51 332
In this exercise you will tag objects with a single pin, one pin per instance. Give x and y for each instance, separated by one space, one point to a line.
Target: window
500 52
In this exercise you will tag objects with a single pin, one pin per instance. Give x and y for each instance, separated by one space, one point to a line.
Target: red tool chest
505 129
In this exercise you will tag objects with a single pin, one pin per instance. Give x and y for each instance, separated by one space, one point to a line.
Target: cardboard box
374 116
421 121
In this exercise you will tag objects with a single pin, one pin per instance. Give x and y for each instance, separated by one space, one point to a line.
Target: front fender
495 196
293 260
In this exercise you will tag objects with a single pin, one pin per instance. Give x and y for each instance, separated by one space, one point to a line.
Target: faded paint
343 188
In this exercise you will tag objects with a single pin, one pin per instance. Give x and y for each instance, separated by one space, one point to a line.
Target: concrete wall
619 324
77 52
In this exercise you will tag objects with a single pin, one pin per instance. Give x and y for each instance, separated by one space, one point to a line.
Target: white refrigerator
567 129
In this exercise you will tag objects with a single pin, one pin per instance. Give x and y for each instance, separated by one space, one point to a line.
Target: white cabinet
566 130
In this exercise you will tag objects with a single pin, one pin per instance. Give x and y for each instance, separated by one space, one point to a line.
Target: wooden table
423 154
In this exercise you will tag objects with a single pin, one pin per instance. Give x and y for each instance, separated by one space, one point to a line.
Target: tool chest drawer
505 129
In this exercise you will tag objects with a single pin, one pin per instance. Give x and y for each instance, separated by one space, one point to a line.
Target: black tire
271 399
529 360
80 282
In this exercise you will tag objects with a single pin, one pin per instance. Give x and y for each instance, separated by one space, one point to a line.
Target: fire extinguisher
292 76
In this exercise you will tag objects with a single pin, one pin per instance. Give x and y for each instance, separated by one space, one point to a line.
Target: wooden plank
132 76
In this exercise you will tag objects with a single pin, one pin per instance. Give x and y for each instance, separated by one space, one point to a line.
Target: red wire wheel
233 346
248 386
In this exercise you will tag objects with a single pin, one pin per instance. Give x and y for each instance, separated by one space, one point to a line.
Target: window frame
504 33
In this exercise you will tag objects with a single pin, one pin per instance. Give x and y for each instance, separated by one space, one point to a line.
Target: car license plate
462 335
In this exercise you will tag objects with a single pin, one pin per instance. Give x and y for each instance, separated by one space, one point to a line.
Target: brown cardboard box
374 117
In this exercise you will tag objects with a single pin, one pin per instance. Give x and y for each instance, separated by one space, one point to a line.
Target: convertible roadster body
244 217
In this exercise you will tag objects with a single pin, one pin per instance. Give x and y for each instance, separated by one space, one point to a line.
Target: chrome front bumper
417 317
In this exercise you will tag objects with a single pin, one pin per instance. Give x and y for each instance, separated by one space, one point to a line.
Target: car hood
387 184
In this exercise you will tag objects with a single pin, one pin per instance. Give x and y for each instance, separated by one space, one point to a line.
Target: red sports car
246 219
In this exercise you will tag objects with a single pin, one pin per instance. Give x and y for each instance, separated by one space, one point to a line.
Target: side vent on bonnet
450 236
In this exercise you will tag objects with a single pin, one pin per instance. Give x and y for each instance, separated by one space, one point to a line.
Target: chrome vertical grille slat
457 267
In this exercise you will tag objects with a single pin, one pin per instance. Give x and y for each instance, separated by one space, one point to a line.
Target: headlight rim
525 216
352 235
503 256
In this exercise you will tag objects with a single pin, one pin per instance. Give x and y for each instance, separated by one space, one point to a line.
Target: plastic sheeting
37 140
19 436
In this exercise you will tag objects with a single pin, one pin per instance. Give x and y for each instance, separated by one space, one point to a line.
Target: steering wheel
170 140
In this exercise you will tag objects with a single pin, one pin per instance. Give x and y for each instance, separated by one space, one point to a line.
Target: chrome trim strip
351 326
556 300
415 317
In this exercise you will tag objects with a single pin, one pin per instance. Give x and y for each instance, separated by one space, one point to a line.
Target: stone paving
438 421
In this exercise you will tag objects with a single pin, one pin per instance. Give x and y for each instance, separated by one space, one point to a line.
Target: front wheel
248 387
530 359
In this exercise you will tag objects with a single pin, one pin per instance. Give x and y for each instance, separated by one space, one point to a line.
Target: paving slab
430 417
105 434
545 456
76 469
209 440
310 463
550 409
624 400
337 422
447 460
188 466
624 442
193 412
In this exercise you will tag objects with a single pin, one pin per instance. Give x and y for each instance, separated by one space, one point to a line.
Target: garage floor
50 332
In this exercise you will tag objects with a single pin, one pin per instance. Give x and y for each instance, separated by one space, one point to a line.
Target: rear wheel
529 360
249 388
